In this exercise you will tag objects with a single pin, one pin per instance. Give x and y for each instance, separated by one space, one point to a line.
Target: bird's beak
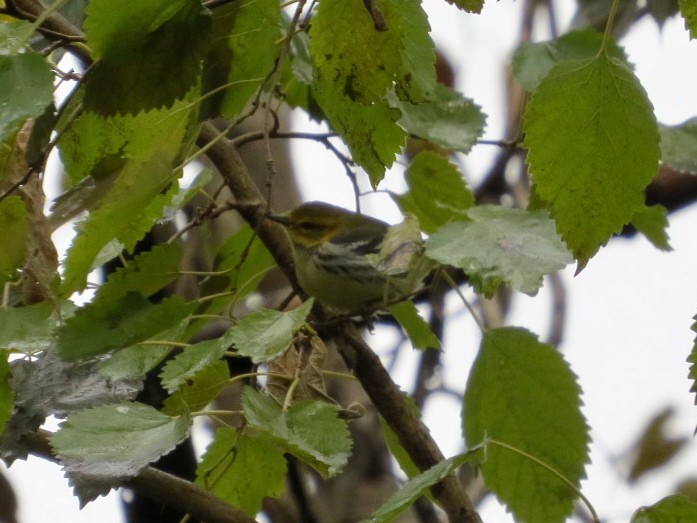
279 218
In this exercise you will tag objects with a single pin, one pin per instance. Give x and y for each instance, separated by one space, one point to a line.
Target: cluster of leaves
128 129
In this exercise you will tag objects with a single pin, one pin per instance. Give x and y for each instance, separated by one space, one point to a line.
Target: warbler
352 262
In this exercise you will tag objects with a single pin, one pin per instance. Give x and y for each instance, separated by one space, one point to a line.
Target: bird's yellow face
314 223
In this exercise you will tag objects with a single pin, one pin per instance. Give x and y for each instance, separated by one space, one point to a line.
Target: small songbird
352 262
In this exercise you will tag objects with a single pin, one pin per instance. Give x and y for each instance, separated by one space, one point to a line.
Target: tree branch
251 204
160 486
374 378
413 434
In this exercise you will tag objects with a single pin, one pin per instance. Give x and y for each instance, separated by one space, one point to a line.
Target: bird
351 262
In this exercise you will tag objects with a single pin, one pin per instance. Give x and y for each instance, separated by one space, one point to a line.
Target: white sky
629 312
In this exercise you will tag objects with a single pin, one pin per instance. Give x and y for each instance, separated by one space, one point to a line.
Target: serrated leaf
198 390
49 385
362 62
242 468
420 334
447 119
532 61
471 6
522 394
370 131
28 328
146 274
149 146
592 143
6 393
138 72
26 89
46 385
102 447
688 9
679 146
192 360
255 42
101 327
265 334
415 488
354 67
437 193
670 509
501 245
652 222
14 235
692 360
310 430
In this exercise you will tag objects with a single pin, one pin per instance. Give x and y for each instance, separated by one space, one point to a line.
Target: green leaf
14 35
688 9
240 264
652 222
199 390
437 193
14 234
585 162
679 146
501 245
255 42
146 274
242 468
29 328
135 361
192 360
95 145
138 71
532 61
655 447
102 447
265 334
692 360
447 119
420 334
471 6
310 430
415 488
363 62
522 395
370 131
185 194
6 393
355 66
670 509
26 89
151 144
100 327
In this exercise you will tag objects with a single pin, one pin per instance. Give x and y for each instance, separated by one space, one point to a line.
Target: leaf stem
550 469
454 286
608 27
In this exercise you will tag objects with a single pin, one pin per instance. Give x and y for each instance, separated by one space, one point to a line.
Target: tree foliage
153 83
